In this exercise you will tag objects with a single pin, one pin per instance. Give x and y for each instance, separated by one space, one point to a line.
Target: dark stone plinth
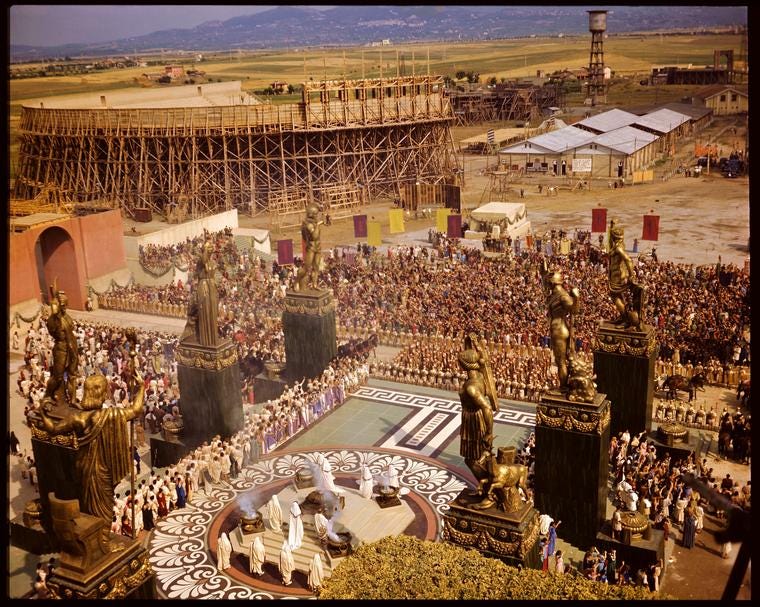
510 537
304 479
387 501
123 574
624 367
266 388
209 381
31 538
55 459
677 450
639 554
308 323
167 452
572 459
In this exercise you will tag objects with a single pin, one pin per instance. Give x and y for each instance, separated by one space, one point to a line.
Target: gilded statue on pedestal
202 315
103 457
561 308
620 274
65 351
308 273
498 478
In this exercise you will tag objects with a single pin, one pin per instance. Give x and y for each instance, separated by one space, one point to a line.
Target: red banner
360 226
285 252
598 220
651 227
454 226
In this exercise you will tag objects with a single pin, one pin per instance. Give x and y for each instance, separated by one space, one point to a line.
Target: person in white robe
316 572
223 552
328 480
215 470
321 525
366 483
274 513
256 556
295 527
391 477
287 565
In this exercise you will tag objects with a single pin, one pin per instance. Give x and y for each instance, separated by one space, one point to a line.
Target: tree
405 567
492 80
460 74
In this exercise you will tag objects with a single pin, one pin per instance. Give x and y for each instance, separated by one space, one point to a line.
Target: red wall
22 280
103 243
87 247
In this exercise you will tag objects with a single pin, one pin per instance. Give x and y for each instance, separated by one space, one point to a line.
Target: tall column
572 460
624 367
308 323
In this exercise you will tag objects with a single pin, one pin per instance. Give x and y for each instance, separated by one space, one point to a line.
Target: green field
631 58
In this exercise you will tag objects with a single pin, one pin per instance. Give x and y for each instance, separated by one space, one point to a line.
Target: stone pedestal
677 448
308 323
209 381
267 388
123 574
624 367
55 459
512 537
572 464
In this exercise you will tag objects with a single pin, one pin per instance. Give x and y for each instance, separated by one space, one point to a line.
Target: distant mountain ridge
298 26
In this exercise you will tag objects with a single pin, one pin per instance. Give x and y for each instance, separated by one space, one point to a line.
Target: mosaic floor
414 428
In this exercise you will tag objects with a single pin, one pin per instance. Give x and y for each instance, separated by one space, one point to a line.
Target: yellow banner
441 220
396 218
373 234
564 247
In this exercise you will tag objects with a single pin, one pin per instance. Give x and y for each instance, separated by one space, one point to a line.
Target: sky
51 25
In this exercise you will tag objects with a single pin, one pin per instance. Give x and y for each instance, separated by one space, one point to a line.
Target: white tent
511 217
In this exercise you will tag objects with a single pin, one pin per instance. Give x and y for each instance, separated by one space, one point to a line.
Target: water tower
596 87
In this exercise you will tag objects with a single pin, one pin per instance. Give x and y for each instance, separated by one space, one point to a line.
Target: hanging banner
529 241
441 221
360 226
651 227
373 234
285 252
396 219
598 220
564 247
454 226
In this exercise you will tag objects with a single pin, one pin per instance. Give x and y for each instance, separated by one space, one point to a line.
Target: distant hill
296 26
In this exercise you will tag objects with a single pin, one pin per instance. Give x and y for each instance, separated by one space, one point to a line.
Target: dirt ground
700 218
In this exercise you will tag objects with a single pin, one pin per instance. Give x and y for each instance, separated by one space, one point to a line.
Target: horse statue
674 383
499 480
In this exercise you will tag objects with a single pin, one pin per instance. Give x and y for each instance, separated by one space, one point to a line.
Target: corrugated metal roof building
545 153
666 124
607 121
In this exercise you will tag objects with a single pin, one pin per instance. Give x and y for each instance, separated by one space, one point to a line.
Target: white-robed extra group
295 527
223 552
256 556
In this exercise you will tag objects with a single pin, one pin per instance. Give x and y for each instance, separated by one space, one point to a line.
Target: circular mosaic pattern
178 546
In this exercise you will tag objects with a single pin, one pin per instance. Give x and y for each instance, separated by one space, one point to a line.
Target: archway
56 261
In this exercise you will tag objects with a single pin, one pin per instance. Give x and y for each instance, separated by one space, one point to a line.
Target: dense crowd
700 313
157 259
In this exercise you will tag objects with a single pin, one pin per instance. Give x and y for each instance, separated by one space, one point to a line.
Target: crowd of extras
659 488
426 298
105 349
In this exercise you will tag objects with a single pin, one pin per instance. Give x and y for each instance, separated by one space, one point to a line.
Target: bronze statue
580 382
308 273
65 351
202 314
500 480
620 275
103 457
561 308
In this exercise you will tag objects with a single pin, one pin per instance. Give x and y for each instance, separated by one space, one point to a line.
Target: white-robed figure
316 572
366 483
391 476
320 525
295 527
287 565
256 556
223 552
328 480
274 513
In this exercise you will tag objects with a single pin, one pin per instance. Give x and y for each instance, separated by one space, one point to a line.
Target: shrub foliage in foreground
405 567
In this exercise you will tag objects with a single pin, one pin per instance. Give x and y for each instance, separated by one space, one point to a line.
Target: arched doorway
56 261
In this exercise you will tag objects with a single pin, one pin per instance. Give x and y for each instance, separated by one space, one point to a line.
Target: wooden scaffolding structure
370 134
504 102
